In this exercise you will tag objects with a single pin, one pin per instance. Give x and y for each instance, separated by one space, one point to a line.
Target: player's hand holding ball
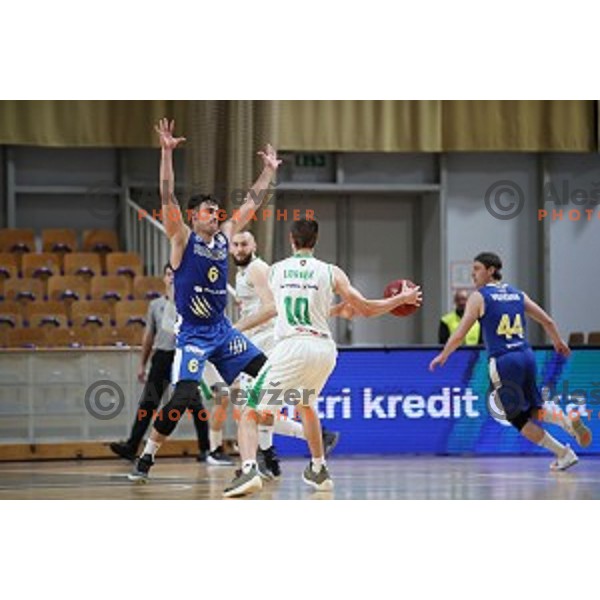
411 293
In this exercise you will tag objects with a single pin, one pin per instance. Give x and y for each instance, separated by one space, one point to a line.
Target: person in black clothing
159 343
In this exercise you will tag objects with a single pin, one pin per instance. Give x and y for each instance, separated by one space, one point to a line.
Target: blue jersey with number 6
203 331
201 281
503 321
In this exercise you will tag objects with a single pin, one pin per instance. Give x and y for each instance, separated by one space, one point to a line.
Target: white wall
574 246
472 229
565 277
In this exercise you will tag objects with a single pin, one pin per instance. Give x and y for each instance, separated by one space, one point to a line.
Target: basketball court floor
372 478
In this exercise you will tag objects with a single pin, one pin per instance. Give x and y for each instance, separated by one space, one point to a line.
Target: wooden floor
355 478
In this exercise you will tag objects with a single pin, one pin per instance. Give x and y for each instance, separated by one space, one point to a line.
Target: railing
146 236
74 395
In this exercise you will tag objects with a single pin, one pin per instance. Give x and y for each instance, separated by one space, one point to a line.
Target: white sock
151 448
551 444
265 436
290 428
215 438
247 465
317 463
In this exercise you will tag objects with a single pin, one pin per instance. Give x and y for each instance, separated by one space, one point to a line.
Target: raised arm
372 308
472 313
537 313
175 228
256 196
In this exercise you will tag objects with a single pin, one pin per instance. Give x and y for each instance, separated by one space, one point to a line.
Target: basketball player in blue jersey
501 309
199 258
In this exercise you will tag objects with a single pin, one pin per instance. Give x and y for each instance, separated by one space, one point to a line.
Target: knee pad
255 365
185 393
520 420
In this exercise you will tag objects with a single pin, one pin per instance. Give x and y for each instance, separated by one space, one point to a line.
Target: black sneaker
218 458
330 441
272 461
263 470
202 456
124 450
141 469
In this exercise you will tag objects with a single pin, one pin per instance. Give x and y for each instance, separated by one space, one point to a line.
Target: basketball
393 288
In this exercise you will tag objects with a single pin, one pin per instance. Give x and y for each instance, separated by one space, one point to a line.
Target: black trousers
157 382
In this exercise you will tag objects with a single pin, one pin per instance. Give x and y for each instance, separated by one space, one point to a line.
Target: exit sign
311 160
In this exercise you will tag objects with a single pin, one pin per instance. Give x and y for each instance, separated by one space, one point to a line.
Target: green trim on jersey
304 255
254 391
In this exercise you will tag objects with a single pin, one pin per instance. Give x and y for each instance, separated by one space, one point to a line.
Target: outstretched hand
439 360
269 157
165 133
411 295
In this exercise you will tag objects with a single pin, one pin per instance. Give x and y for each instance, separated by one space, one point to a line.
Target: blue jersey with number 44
503 321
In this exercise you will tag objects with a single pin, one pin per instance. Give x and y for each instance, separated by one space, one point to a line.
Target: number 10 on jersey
296 310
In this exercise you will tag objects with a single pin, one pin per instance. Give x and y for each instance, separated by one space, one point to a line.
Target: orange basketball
393 288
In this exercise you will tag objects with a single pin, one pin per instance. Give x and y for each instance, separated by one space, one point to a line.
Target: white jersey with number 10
303 289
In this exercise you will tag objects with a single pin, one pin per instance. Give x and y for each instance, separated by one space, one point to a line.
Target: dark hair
167 266
491 259
305 233
197 199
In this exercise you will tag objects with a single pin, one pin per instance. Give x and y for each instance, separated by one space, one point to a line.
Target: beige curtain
223 137
519 125
438 126
361 125
235 128
102 123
